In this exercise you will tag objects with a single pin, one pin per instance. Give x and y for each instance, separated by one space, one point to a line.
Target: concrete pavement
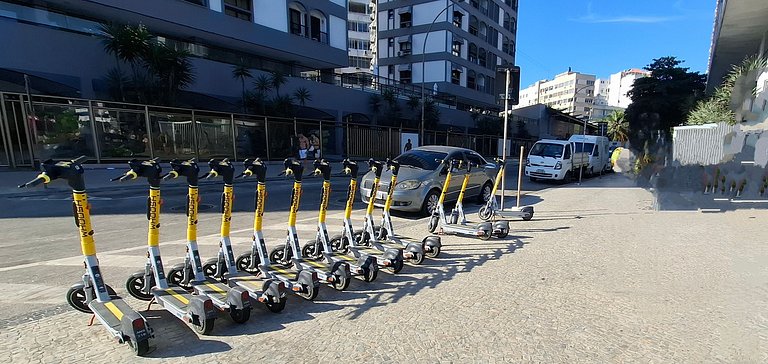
597 276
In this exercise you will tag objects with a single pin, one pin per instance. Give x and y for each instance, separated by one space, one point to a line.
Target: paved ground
597 276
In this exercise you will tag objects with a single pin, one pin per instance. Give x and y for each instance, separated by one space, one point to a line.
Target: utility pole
504 144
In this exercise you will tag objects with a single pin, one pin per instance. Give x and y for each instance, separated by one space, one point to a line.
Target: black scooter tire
140 348
134 285
205 327
434 222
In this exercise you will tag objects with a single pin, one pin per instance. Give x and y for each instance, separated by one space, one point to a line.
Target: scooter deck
214 290
110 313
321 267
248 282
281 273
174 296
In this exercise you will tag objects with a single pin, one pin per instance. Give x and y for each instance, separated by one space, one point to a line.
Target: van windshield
587 147
547 150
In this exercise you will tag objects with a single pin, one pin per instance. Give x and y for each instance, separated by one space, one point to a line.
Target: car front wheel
430 202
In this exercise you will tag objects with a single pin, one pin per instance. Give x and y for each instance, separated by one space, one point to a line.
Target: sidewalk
97 178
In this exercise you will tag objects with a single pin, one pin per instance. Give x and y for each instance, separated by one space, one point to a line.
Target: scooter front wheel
243 262
76 297
209 267
135 287
434 221
339 244
175 276
503 234
341 283
278 256
485 213
276 307
312 250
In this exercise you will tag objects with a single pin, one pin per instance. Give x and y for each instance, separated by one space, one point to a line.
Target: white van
554 159
597 147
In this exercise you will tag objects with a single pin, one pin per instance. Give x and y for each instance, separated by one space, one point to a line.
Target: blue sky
602 37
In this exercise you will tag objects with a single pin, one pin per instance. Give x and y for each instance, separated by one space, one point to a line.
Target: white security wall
436 42
272 14
337 32
425 13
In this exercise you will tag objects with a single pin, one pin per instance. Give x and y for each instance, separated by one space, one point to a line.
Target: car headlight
528 162
558 165
408 185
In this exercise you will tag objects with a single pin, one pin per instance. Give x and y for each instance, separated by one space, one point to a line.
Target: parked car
555 160
421 179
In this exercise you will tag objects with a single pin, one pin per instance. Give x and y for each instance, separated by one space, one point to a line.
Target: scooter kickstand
90 322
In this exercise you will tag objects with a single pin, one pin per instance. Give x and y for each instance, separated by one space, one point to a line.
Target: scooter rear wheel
240 316
486 235
369 275
205 327
433 253
135 287
275 307
418 258
310 294
140 348
341 283
503 234
396 266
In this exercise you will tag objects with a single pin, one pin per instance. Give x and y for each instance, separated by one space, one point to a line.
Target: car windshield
586 147
547 150
421 159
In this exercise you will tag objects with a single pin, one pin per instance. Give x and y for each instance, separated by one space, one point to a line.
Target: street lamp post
423 67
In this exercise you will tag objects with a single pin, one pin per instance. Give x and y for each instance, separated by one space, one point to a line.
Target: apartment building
360 36
445 45
59 39
569 92
621 83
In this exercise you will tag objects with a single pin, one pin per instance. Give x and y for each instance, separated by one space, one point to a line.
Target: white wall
215 5
436 42
342 3
435 72
337 32
425 13
273 14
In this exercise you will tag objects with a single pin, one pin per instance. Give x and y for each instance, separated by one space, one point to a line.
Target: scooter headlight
558 165
408 185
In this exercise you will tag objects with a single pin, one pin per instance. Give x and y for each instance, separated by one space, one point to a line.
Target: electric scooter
151 283
412 251
430 245
223 268
305 283
320 248
348 242
92 295
234 300
491 210
337 273
484 230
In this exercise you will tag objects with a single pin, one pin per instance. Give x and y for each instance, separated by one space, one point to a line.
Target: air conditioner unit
400 54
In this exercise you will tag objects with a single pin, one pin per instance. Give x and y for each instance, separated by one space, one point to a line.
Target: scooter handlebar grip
79 160
33 182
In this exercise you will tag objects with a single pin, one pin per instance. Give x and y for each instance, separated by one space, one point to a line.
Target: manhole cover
201 207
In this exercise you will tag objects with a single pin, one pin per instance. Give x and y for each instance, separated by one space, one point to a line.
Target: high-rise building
569 92
360 36
59 38
459 44
620 85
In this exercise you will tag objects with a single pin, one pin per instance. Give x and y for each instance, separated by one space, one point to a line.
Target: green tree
618 127
302 95
112 38
241 72
169 71
663 100
278 79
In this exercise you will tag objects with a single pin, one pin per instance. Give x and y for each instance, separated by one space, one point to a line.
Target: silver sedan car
421 179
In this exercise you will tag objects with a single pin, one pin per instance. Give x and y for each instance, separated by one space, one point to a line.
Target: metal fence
57 127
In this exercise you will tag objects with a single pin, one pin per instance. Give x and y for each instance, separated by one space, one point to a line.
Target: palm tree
112 35
413 103
618 126
134 45
241 71
278 79
263 84
169 70
302 95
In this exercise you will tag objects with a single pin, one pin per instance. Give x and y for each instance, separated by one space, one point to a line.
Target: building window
357 26
472 54
405 76
359 62
241 9
297 19
482 58
590 83
475 3
405 47
456 47
473 25
480 83
317 27
405 20
471 80
359 44
456 76
358 8
457 17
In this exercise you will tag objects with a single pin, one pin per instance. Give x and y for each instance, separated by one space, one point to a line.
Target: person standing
408 146
314 146
303 146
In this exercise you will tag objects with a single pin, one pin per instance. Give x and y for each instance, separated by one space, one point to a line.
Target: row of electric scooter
196 291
